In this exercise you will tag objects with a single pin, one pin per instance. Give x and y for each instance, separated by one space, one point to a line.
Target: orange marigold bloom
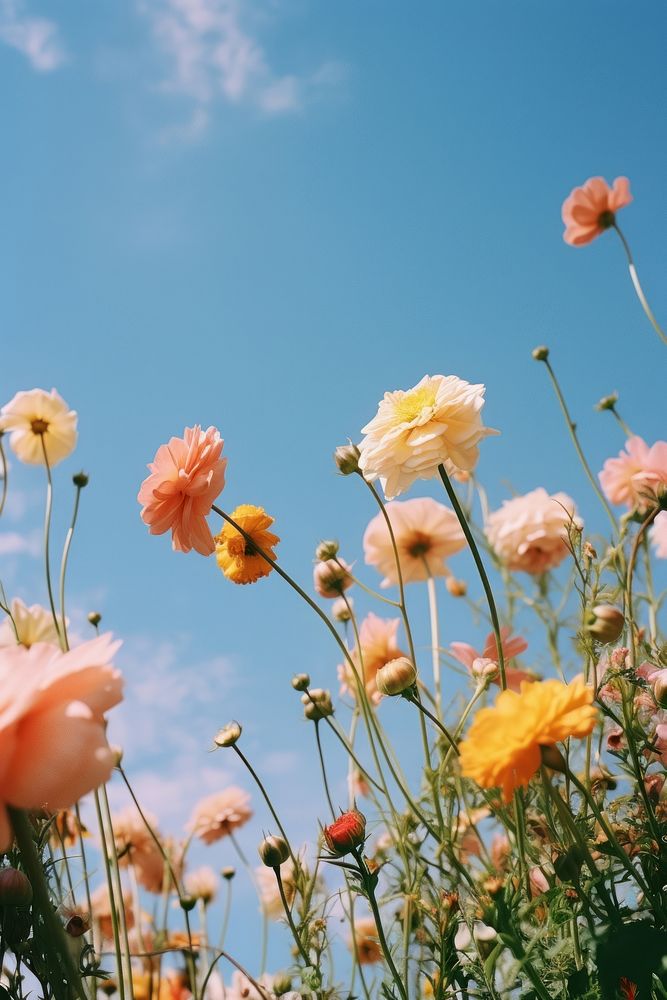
237 557
365 941
592 208
502 748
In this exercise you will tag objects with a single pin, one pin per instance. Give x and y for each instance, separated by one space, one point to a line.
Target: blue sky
263 216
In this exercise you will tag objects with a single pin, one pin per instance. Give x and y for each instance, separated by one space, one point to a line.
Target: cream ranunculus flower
437 422
38 420
33 624
530 532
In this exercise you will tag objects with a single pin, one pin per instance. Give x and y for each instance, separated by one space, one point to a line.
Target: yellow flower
39 421
502 748
237 558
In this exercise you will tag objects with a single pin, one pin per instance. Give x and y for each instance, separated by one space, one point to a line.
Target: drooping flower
39 421
638 476
331 577
379 645
591 208
238 558
135 846
426 534
512 646
502 748
53 745
33 624
218 815
437 422
365 941
530 532
202 883
187 475
659 535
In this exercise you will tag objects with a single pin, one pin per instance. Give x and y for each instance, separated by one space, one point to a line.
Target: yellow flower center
39 426
411 405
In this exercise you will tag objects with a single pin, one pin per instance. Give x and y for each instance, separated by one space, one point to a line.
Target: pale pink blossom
530 532
426 533
591 208
378 639
202 883
512 646
331 577
187 475
659 535
638 476
218 815
538 881
53 745
101 907
136 846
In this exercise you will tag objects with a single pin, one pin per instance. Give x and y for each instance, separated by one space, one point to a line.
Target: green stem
323 768
47 535
63 564
3 473
638 288
370 891
290 920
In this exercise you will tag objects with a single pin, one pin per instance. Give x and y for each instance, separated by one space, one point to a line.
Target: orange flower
365 941
502 748
591 209
346 833
237 557
135 846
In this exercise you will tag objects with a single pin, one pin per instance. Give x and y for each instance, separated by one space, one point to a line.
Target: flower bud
341 609
94 618
317 704
282 983
396 676
346 833
228 735
653 783
80 479
117 755
187 903
273 851
606 623
332 577
77 925
553 759
228 872
541 353
347 458
589 551
484 669
660 688
15 888
457 588
327 550
607 402
300 682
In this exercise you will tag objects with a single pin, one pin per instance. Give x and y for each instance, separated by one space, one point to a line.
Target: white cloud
37 38
212 56
12 543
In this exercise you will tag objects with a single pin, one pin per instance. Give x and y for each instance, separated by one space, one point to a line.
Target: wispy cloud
213 56
13 544
37 38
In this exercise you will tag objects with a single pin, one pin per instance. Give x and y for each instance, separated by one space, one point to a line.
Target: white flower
33 624
39 421
438 422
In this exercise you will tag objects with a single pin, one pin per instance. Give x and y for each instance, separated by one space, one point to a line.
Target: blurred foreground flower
187 475
426 533
52 726
591 208
502 748
437 422
530 532
237 557
637 476
659 535
218 815
39 421
33 624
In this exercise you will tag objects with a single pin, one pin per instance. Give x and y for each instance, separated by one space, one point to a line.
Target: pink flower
591 209
512 646
379 645
638 476
332 577
530 532
659 535
426 533
187 475
218 815
53 746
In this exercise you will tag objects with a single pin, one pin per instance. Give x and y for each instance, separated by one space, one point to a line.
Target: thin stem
3 474
370 890
290 920
324 771
435 638
436 722
265 795
638 288
47 535
103 799
63 564
113 909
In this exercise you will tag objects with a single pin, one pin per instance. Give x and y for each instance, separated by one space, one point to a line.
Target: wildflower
591 209
659 535
438 422
378 645
52 726
530 532
228 735
237 556
503 744
33 624
187 475
637 476
202 883
396 676
332 577
218 815
365 942
273 851
101 907
345 833
512 646
37 422
426 533
135 846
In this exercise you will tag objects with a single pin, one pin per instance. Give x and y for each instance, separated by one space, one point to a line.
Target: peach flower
202 883
530 532
378 640
637 476
512 646
436 422
53 746
187 474
101 906
39 421
426 534
218 815
33 624
659 535
331 577
590 209
135 846
365 941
